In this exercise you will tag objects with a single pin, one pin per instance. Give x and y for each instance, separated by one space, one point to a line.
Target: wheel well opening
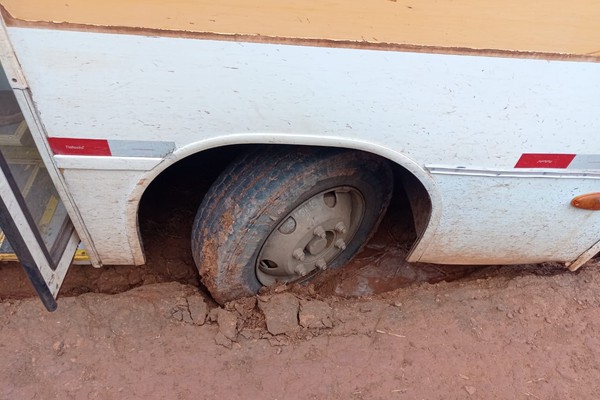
408 213
169 205
167 209
412 200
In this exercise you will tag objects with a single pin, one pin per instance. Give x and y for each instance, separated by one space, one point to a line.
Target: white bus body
502 143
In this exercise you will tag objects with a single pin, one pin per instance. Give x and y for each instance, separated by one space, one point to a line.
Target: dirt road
524 336
377 329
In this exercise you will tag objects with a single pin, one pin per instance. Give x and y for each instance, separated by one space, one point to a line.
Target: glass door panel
32 178
34 224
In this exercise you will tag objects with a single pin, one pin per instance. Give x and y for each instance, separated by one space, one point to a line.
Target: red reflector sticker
79 147
545 160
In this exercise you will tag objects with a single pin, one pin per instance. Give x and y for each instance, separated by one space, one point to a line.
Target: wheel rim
311 237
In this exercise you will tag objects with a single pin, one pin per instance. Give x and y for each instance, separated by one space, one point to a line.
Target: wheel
282 214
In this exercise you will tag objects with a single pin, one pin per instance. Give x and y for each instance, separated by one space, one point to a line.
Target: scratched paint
415 109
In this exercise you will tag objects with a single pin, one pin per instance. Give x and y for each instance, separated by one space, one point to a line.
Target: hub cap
310 237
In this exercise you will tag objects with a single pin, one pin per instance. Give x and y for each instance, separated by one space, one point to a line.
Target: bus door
34 224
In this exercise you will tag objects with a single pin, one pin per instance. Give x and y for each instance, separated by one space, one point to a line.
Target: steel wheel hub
311 236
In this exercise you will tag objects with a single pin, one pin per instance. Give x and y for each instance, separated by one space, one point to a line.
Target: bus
486 114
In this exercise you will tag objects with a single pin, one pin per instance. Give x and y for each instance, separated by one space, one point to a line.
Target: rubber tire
252 196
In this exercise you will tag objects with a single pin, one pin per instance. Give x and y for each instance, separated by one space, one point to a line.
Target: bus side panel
532 220
102 198
475 113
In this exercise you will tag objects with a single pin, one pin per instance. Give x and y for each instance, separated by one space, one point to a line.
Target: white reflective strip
140 148
586 162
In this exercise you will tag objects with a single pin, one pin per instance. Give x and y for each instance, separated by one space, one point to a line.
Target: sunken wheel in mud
282 214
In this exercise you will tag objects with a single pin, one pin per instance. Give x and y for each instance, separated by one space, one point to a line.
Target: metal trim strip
509 173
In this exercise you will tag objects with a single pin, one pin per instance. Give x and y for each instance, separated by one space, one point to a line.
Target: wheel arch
430 221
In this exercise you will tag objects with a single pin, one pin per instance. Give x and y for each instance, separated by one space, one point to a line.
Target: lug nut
321 264
288 226
298 254
301 270
320 232
340 244
340 228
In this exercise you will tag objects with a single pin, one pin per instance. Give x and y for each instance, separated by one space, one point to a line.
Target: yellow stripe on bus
539 26
81 257
8 257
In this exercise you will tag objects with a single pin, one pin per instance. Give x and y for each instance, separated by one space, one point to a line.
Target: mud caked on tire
281 214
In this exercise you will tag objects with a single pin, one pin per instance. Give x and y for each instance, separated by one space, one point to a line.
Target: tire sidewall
371 176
